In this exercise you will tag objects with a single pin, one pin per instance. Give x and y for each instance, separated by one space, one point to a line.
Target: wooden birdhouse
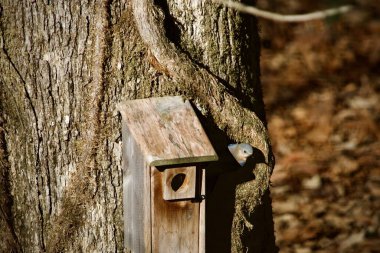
164 153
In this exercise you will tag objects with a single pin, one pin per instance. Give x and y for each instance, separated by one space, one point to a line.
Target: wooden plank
179 183
175 224
202 215
136 196
167 131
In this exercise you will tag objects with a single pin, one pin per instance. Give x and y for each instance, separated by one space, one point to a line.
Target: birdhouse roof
167 131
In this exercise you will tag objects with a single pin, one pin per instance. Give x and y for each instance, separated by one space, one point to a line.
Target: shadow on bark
9 241
222 178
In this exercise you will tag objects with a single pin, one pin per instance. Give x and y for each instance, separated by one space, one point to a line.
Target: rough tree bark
65 65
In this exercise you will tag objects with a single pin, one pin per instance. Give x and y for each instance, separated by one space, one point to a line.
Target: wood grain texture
175 224
186 190
136 197
202 215
167 131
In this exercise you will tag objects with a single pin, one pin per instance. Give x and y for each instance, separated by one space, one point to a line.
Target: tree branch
281 17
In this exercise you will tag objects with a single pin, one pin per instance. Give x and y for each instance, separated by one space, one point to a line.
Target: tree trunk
65 66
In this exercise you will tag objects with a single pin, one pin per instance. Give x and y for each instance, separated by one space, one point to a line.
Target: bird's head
246 150
241 152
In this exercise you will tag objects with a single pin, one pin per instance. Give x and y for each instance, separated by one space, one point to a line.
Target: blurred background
321 82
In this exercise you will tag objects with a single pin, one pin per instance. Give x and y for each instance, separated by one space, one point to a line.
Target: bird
240 151
226 166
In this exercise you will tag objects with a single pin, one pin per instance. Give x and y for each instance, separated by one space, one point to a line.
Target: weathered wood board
202 216
167 131
176 225
136 197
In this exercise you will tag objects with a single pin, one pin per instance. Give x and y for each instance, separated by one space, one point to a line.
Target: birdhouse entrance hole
177 181
181 183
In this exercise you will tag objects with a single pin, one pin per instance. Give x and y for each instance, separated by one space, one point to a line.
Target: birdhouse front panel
177 225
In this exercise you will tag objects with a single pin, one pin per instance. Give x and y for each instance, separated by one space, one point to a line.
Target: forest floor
321 82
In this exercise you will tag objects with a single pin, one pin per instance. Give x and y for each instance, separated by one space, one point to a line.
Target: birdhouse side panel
136 197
